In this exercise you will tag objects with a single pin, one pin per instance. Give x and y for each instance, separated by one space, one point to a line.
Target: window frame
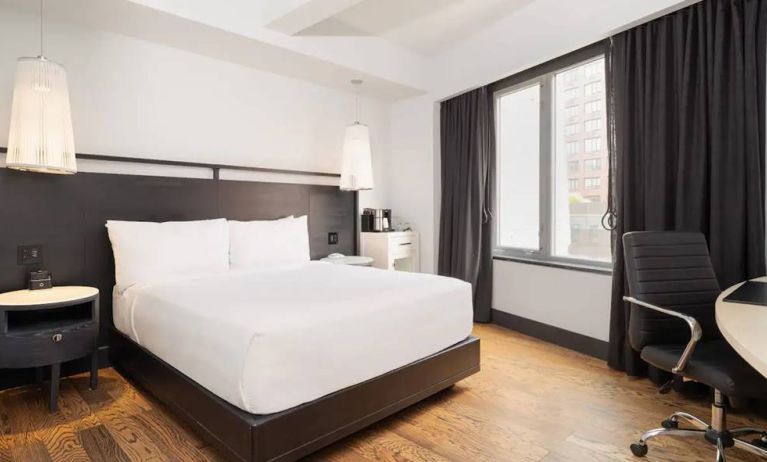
544 75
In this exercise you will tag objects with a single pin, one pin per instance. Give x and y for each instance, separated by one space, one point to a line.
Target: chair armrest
695 331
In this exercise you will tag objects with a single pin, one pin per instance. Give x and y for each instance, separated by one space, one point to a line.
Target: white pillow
150 252
254 244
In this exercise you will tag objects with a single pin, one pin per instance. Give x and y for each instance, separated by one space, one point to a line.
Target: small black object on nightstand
48 327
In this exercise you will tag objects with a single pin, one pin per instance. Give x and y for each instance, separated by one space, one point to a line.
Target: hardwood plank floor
532 401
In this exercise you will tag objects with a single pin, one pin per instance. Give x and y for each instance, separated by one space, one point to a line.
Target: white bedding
267 340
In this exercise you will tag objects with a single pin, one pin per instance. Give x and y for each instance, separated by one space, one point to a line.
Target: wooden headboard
67 214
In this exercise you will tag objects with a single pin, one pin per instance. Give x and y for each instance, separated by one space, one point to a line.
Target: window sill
556 264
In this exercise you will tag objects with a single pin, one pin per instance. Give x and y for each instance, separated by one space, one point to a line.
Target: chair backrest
672 270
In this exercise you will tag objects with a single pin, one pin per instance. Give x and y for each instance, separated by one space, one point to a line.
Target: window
592 125
595 68
571 93
591 165
544 209
518 145
593 88
592 182
593 106
593 144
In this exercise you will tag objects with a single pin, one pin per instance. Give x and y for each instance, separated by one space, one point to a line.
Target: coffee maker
376 220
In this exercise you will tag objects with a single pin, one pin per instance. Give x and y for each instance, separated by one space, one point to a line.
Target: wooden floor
531 402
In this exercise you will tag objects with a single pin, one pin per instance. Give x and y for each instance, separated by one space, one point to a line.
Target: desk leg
94 371
55 373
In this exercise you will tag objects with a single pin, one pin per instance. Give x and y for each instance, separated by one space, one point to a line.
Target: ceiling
426 27
400 48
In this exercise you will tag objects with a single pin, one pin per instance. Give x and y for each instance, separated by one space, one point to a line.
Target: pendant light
357 164
41 137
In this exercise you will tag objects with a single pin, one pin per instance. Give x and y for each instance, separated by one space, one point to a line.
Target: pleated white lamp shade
357 163
41 138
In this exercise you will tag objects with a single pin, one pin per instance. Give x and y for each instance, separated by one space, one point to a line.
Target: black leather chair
673 291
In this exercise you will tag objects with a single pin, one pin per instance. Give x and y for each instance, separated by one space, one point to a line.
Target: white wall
412 189
577 301
135 98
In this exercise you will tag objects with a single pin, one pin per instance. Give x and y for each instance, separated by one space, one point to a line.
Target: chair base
715 434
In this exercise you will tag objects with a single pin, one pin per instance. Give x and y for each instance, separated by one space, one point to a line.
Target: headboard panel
66 215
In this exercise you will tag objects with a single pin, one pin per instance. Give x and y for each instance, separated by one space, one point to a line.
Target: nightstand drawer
47 347
403 249
402 241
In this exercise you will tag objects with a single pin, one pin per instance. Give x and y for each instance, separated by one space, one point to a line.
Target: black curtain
686 98
467 136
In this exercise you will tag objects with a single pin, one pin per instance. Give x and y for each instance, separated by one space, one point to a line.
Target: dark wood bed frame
299 431
66 216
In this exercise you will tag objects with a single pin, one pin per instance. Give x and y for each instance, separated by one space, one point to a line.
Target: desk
745 328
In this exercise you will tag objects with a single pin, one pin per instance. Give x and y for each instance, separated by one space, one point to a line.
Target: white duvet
268 340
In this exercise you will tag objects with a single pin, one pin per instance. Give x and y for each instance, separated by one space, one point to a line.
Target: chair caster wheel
639 449
669 424
760 442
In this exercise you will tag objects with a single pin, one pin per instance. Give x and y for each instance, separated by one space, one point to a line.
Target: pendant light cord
41 28
357 83
357 105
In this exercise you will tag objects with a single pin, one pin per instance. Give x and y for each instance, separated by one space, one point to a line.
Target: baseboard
12 378
558 336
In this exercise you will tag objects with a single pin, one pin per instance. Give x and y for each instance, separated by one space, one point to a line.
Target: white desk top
60 294
745 328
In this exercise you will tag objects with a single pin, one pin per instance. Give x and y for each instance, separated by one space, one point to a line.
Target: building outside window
592 182
592 125
572 166
593 88
592 165
572 185
572 111
593 144
594 69
593 106
571 129
573 147
572 93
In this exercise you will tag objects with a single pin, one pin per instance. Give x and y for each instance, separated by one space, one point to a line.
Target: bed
266 340
272 355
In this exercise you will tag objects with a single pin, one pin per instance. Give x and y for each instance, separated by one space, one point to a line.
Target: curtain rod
215 167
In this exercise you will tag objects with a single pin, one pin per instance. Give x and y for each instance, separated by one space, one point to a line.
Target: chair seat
714 363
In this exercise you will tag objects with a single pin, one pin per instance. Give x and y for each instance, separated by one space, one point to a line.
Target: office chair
673 290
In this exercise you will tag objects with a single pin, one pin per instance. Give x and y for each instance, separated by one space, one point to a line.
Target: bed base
299 431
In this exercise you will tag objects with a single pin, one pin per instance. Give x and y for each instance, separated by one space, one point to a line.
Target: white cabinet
395 250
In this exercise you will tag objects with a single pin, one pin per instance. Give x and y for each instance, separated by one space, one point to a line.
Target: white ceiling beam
292 16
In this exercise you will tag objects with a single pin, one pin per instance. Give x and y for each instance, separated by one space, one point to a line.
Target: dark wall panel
331 210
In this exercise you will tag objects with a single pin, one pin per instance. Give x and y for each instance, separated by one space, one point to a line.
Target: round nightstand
47 327
349 260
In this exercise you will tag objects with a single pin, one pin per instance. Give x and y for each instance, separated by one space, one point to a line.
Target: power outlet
30 254
332 238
